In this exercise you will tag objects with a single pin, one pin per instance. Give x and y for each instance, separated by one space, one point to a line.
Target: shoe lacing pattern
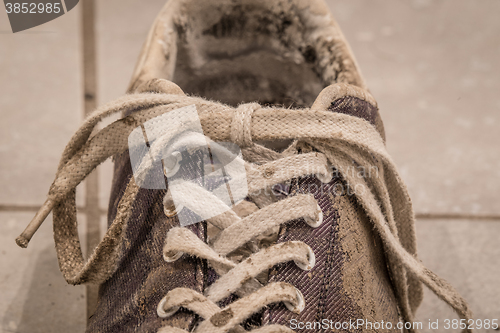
235 233
338 138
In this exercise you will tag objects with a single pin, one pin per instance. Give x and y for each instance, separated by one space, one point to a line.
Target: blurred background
433 66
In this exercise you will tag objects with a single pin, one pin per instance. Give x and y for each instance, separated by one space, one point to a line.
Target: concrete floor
432 65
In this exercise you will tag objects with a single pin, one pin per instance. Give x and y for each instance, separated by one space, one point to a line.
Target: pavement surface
433 66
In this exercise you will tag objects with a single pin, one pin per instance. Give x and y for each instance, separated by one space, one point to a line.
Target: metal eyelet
161 311
301 303
317 222
172 257
169 207
311 261
326 178
171 164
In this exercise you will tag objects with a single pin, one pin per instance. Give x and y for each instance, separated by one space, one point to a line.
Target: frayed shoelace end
37 221
21 241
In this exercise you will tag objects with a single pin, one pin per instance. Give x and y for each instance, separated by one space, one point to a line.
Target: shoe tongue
350 100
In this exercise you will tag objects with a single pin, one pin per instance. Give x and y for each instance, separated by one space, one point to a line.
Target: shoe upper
326 233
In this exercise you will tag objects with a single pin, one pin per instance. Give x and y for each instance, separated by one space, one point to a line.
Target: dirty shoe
254 193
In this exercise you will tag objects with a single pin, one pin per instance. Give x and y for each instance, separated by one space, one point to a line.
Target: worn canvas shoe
254 193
